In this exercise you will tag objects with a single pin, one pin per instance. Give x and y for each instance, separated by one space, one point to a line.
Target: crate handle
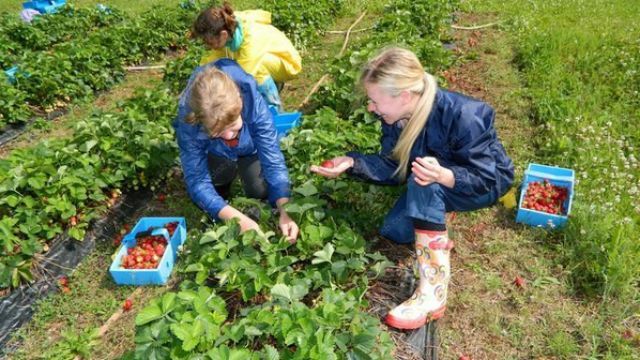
162 231
549 176
130 238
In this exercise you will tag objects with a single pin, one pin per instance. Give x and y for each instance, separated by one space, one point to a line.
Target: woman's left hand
427 170
288 227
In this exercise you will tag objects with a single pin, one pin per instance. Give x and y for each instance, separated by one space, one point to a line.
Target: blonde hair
396 70
215 101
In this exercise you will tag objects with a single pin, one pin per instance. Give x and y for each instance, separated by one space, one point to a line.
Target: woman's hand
288 227
427 170
246 223
336 167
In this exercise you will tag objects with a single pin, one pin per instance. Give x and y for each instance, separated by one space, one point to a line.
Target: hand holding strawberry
334 167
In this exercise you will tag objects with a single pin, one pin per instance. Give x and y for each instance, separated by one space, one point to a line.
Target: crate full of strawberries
546 196
149 251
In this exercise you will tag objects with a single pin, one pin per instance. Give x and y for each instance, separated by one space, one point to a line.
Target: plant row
418 26
76 69
60 186
304 21
68 23
273 299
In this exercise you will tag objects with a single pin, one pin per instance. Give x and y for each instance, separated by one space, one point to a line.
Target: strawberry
162 197
464 357
519 282
63 281
127 305
73 221
328 164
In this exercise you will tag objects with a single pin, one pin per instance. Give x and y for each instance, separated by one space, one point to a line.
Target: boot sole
404 324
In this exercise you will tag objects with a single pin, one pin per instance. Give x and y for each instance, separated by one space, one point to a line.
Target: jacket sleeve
194 160
475 169
264 136
377 168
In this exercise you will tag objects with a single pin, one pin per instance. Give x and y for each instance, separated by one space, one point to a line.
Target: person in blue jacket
444 146
223 128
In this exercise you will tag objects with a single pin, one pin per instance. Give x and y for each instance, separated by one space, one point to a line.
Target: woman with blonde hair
224 128
249 38
444 147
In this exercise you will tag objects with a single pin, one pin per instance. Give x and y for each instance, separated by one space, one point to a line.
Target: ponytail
213 20
396 70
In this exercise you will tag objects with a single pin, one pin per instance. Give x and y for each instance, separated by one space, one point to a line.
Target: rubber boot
428 302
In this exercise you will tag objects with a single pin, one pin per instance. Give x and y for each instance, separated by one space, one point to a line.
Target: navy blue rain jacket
460 134
258 135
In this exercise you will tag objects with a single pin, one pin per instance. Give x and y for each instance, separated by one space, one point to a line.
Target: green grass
578 65
579 61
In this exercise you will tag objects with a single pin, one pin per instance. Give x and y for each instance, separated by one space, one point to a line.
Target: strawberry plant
415 25
13 108
60 186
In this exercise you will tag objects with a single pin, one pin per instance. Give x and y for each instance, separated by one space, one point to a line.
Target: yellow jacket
264 50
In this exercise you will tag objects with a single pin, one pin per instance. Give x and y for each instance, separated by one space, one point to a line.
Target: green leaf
271 353
289 293
307 189
88 145
77 233
168 302
149 314
323 255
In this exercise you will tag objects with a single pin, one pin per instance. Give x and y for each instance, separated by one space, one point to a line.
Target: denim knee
426 202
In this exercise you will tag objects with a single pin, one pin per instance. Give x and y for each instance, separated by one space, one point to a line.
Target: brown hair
213 20
396 70
215 101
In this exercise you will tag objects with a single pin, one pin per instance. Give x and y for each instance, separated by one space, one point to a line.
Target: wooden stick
457 27
344 31
139 68
346 38
325 76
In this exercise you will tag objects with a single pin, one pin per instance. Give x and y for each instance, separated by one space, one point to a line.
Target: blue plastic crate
44 6
146 223
555 175
285 121
157 276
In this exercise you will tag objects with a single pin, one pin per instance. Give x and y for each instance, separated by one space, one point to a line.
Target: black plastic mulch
63 256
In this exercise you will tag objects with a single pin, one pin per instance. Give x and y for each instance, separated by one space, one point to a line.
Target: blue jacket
460 134
258 135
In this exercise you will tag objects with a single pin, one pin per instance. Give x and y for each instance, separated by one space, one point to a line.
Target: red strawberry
519 282
328 164
162 197
127 305
63 281
464 357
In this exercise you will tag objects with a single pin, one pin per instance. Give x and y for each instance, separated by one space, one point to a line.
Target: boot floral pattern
428 301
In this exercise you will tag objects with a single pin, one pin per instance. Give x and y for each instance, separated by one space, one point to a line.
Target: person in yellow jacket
257 46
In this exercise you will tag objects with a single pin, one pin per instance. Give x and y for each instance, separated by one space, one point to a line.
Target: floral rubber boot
428 302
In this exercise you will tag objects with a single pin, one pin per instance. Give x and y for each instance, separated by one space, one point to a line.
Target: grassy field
564 79
581 73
